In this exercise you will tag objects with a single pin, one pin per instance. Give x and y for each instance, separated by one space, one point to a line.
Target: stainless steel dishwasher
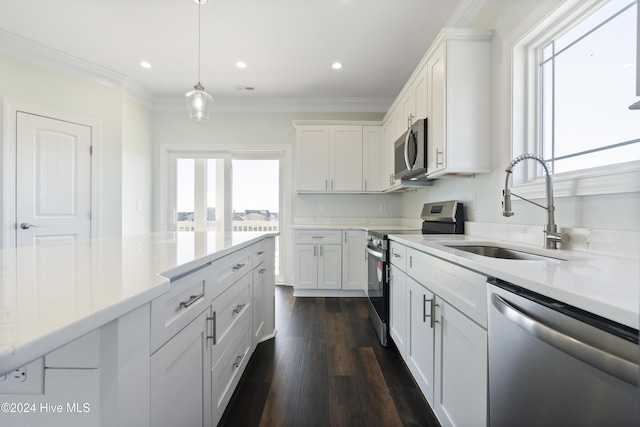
551 364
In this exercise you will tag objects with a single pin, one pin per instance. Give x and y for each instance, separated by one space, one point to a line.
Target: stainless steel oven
438 218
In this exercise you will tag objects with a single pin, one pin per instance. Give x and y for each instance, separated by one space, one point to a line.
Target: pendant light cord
199 35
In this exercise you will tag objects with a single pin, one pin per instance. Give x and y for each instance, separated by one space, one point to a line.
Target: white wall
125 148
137 145
612 211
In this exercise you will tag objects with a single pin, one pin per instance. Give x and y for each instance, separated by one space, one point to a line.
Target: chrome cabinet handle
26 226
439 153
315 250
213 335
320 250
599 358
192 299
238 361
238 308
260 253
238 266
432 310
395 255
262 270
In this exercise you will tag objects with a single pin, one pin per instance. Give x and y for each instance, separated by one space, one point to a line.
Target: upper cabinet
339 158
458 103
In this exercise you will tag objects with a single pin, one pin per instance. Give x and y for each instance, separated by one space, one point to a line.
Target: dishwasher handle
598 358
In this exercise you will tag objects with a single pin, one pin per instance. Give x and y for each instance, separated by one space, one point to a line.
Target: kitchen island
105 308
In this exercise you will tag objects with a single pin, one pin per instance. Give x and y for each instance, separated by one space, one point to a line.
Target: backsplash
616 243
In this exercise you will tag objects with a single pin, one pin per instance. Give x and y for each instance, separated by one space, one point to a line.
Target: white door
53 181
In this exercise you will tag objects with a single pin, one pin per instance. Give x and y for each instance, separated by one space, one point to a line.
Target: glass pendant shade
199 103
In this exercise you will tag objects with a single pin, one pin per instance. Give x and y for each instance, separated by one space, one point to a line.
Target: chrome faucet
551 235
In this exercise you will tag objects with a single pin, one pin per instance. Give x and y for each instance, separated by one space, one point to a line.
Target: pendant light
199 102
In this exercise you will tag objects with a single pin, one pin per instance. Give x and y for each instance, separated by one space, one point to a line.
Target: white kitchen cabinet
180 384
318 259
421 94
420 343
263 291
374 158
258 307
318 267
445 337
346 158
390 137
460 383
329 158
313 157
354 264
398 308
458 93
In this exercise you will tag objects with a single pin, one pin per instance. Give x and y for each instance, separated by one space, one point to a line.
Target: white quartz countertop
605 286
51 295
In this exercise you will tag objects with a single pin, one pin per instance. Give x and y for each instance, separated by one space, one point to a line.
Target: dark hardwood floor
325 367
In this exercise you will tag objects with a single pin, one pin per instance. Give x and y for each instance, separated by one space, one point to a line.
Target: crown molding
284 105
465 13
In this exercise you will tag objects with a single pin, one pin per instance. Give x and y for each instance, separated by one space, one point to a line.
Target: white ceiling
288 45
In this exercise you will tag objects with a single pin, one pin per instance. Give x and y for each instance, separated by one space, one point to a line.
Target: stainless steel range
438 218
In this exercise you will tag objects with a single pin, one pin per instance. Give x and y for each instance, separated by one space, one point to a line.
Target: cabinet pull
260 253
262 270
315 249
238 308
238 266
332 184
432 310
439 153
365 185
317 237
238 361
395 254
320 250
326 184
192 299
213 328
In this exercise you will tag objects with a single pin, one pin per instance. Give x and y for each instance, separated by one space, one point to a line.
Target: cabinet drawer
227 270
259 252
229 310
398 255
320 237
227 370
463 289
177 308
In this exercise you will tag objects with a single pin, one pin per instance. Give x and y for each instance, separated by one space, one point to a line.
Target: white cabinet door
258 306
398 309
330 266
436 122
460 369
389 152
313 158
306 267
354 265
374 157
409 107
180 380
420 343
346 158
421 94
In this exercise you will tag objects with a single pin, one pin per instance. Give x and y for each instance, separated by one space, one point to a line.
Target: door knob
26 226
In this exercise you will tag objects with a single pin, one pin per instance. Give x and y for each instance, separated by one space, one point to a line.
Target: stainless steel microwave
410 152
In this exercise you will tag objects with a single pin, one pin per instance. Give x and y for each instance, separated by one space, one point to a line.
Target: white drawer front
177 308
228 369
259 252
398 255
228 310
320 237
462 288
227 270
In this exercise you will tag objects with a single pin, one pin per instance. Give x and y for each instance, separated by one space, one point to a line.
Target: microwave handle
406 150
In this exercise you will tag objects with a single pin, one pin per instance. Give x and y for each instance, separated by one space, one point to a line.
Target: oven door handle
376 254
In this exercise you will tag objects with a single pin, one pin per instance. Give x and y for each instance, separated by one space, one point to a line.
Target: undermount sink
502 253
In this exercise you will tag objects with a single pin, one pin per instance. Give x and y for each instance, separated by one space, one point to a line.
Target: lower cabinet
398 308
444 349
318 266
180 380
421 341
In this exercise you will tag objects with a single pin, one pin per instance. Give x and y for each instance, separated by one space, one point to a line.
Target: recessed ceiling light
336 65
145 64
241 64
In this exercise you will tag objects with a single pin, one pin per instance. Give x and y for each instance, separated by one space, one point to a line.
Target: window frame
525 42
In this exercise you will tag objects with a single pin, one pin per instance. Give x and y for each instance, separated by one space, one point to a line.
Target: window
587 81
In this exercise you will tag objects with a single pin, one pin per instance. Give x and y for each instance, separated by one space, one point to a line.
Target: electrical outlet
28 379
